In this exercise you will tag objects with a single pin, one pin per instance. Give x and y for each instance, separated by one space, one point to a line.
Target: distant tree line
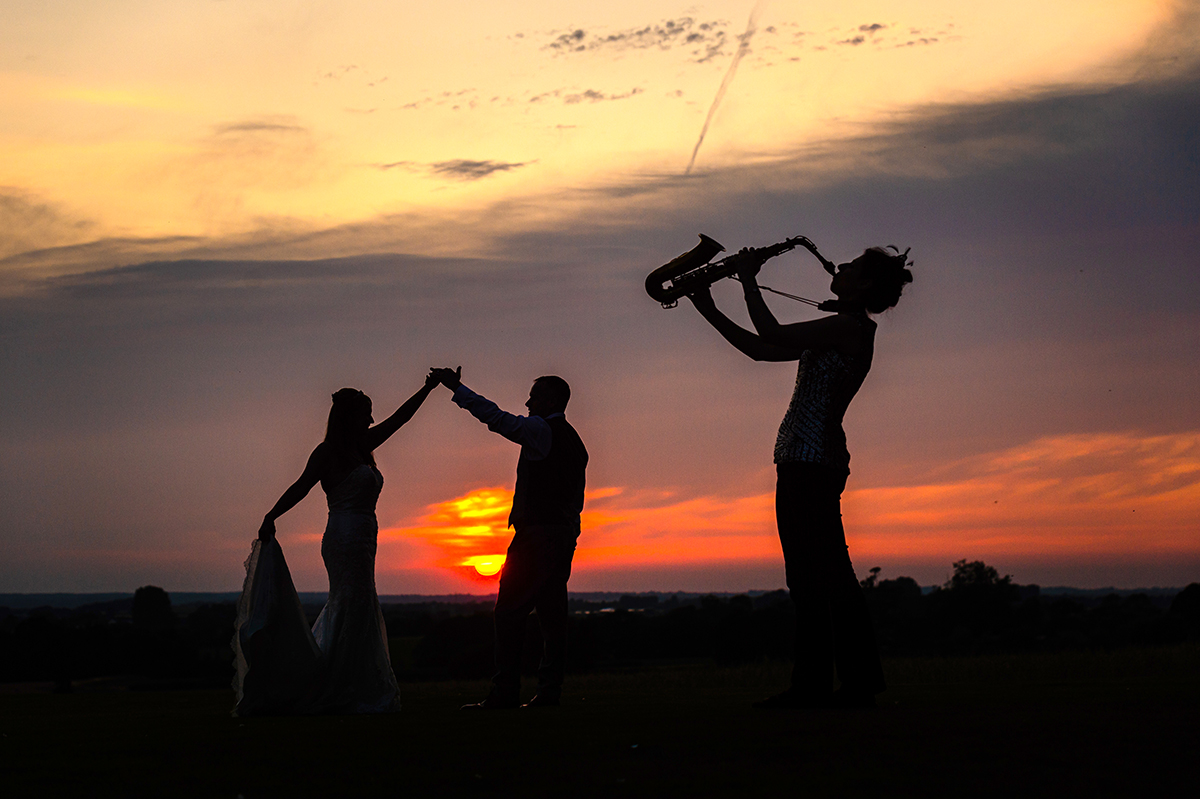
979 612
975 612
142 639
149 644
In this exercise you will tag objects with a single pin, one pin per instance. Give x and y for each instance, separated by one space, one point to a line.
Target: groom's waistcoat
550 490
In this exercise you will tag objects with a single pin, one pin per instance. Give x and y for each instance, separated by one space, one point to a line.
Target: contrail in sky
743 48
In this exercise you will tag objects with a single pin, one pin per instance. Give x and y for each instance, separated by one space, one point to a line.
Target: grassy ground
1078 724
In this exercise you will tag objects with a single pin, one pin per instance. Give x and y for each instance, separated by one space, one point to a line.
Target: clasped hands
450 378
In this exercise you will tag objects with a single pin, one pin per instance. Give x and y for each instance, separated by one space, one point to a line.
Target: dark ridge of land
161 643
1067 724
70 601
62 600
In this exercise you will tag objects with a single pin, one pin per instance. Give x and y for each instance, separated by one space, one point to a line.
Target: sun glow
1100 493
1103 494
486 565
467 532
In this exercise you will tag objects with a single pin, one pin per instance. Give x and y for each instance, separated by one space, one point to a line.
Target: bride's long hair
345 430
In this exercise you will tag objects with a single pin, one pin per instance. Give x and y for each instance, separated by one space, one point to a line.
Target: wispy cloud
352 73
1016 155
464 169
455 99
456 169
788 40
702 40
882 35
572 97
27 223
469 99
259 126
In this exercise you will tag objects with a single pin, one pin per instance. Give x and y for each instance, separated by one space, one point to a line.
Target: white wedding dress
340 666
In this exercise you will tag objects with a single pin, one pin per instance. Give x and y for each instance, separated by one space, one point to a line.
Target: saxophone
695 269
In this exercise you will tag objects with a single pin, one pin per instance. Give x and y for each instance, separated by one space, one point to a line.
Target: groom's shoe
791 699
850 699
544 698
496 700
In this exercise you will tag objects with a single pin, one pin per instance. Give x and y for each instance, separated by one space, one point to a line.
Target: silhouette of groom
545 516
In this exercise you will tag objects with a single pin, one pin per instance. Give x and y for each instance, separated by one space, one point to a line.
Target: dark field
1123 723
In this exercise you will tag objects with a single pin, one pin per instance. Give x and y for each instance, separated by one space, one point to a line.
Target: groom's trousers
534 578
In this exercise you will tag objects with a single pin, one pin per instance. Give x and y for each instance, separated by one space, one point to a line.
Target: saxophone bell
684 274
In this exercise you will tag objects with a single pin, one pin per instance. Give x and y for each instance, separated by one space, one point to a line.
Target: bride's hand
267 531
450 378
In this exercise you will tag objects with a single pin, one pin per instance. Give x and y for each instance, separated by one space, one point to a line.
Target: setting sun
467 531
486 565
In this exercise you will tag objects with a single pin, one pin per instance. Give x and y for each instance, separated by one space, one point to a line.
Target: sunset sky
215 214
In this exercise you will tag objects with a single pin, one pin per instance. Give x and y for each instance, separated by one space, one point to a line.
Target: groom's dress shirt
550 471
532 433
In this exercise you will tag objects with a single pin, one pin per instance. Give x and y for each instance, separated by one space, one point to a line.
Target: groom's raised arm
532 433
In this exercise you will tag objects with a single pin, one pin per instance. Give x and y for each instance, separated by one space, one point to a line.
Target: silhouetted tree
152 610
977 576
1186 608
973 608
897 611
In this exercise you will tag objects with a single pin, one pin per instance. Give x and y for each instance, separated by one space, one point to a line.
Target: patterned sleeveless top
811 431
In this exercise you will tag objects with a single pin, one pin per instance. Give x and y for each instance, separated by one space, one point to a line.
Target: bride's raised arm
384 430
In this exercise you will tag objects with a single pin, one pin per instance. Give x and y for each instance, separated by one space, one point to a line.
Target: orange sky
1057 496
213 215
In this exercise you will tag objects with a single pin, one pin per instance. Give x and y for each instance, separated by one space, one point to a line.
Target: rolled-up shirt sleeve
532 433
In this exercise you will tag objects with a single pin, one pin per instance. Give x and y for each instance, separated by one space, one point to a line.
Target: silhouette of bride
833 625
342 665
